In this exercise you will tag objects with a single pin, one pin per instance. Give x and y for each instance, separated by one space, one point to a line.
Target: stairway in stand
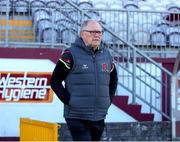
133 110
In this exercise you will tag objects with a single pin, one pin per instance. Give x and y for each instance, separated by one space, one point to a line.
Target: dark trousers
85 130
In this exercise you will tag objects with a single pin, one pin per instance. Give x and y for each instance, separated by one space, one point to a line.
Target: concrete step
133 110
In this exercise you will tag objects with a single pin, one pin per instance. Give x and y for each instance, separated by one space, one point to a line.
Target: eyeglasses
94 32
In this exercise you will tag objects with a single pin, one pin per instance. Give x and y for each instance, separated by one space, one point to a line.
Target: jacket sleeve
113 82
59 74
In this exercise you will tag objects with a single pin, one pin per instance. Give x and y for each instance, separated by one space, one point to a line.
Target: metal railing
175 92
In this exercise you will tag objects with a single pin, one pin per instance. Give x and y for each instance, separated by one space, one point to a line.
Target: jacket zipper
95 68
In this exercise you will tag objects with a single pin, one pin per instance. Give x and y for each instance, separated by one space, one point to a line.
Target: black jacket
64 67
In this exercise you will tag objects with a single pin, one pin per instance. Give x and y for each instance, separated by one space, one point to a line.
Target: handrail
174 94
177 64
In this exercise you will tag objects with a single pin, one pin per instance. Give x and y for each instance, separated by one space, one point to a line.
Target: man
90 83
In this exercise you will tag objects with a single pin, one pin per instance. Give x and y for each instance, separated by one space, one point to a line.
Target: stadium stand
137 32
141 19
21 6
3 4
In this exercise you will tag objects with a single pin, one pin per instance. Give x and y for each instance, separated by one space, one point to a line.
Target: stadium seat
141 38
38 15
66 8
94 15
68 35
160 7
101 5
57 14
53 4
85 5
41 25
21 6
147 27
173 29
146 7
49 35
117 25
3 6
130 5
174 38
122 34
144 17
158 38
74 15
163 26
63 24
37 4
172 7
134 26
114 4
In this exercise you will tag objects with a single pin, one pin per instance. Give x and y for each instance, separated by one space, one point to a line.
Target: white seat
49 35
122 34
116 6
68 36
145 17
133 26
164 27
63 24
21 6
141 38
75 15
158 38
37 4
85 5
131 5
94 15
173 29
174 39
3 7
57 14
101 5
146 7
53 4
117 26
160 7
147 27
42 24
172 7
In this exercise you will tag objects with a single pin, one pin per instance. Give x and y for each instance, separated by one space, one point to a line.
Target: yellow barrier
34 130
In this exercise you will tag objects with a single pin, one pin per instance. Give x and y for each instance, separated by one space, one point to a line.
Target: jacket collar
80 44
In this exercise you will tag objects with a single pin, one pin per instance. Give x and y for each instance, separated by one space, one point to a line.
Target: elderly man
90 83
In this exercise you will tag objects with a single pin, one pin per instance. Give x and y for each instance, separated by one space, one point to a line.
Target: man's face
92 34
